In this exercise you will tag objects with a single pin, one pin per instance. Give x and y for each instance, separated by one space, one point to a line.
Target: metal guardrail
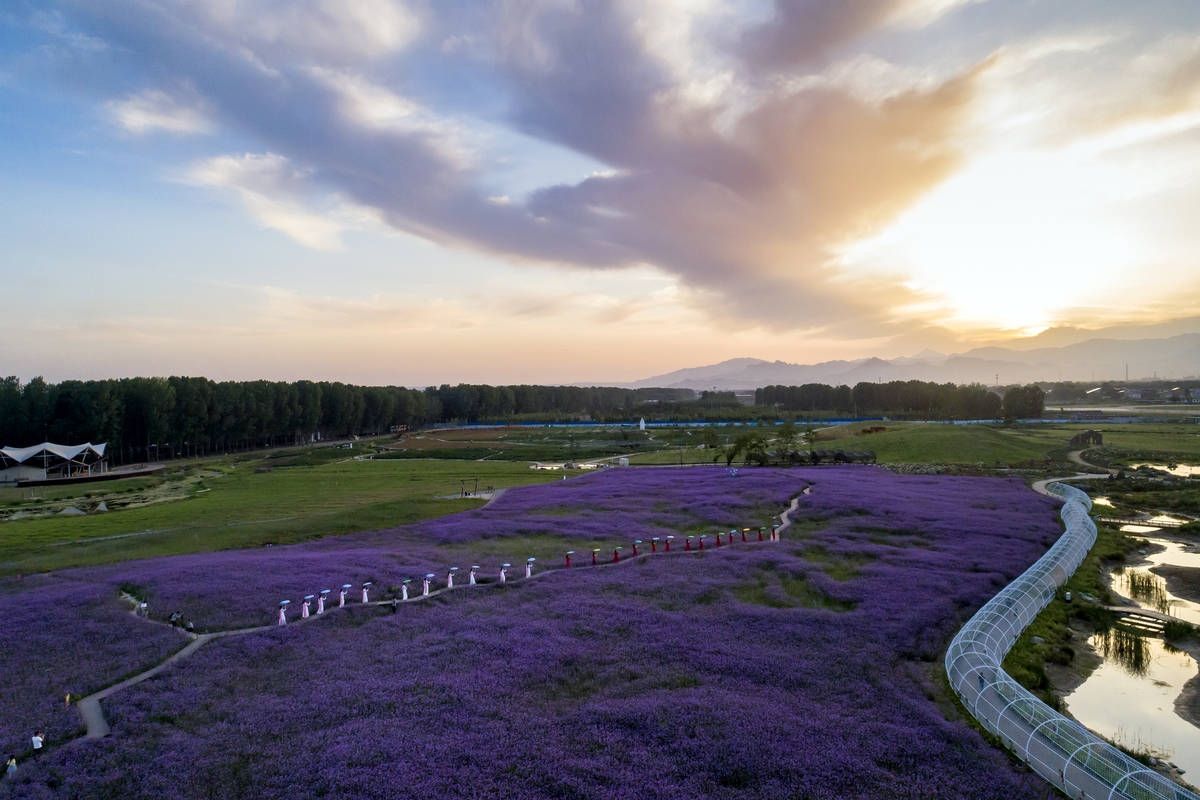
1059 749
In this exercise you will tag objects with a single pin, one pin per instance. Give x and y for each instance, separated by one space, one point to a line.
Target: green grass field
313 492
239 507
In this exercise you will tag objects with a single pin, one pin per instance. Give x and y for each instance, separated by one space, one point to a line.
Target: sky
556 191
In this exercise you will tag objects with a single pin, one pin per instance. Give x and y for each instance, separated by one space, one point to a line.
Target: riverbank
1187 705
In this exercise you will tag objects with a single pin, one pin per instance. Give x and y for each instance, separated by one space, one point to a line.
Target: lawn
923 443
235 506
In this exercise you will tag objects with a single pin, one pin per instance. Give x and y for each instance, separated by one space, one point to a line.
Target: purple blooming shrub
798 669
61 635
243 587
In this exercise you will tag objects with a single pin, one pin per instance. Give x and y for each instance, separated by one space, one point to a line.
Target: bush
1178 629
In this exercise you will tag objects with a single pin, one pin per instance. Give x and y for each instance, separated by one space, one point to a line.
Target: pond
1180 470
1130 698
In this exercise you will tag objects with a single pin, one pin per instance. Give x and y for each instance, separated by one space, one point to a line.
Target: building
1087 439
45 461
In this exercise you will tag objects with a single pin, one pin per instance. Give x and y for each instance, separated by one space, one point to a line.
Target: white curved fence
1059 749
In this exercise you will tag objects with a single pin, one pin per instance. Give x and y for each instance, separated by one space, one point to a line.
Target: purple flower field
242 588
798 669
62 635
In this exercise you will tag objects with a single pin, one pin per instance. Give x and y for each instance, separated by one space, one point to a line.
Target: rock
72 512
102 507
1038 640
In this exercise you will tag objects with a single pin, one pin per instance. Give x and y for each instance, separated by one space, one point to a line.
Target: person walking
11 769
38 738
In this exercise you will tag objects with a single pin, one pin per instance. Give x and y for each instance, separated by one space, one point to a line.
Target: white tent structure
46 460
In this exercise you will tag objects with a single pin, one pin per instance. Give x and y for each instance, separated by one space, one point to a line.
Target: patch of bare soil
1181 581
1066 678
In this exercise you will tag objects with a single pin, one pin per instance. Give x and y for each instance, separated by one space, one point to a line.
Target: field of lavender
803 668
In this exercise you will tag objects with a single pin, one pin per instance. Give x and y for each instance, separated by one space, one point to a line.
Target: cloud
152 110
743 150
280 197
314 29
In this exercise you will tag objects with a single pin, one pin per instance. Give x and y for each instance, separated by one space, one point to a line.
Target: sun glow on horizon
1009 242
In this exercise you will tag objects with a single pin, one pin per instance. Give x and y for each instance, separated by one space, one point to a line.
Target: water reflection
1180 555
1130 698
1148 587
1181 470
1124 648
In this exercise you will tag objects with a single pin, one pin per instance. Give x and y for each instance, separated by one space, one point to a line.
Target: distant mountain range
1090 359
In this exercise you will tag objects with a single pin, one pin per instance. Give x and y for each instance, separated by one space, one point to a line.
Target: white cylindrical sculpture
473 568
365 585
342 596
502 568
307 599
529 567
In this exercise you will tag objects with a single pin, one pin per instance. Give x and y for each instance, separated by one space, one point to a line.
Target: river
1130 698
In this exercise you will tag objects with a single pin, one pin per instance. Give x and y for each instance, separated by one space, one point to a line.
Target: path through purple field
800 669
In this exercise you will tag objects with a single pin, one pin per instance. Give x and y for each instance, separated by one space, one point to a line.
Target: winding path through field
93 715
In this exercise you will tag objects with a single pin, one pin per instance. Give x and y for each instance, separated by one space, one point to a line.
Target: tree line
149 419
906 399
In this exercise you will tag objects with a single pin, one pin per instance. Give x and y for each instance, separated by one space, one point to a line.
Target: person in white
450 578
342 596
529 567
473 568
404 589
427 577
502 568
365 585
38 738
321 601
307 599
283 612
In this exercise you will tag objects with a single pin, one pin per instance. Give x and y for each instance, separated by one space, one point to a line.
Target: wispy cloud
281 197
152 110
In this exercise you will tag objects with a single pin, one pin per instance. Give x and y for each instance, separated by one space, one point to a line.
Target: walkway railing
1059 749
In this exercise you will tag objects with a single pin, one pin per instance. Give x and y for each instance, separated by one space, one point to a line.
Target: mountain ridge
1094 359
